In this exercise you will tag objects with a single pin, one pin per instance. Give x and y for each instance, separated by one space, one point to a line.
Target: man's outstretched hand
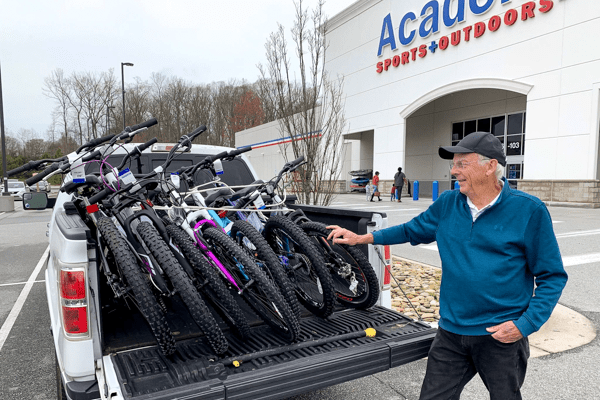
344 236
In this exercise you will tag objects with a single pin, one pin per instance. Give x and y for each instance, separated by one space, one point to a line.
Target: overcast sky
201 41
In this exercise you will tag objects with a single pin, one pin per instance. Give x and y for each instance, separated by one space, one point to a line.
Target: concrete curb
565 329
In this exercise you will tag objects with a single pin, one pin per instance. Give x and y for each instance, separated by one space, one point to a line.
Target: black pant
455 359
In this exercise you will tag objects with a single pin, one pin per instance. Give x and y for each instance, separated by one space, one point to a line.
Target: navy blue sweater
489 266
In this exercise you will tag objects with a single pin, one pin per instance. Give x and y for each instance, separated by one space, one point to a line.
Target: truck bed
326 354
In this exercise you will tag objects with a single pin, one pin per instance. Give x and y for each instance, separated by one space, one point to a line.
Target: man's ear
492 165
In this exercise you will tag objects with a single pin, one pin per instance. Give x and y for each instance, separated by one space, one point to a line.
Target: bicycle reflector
73 298
388 266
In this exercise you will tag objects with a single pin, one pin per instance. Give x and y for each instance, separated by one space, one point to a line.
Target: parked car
17 188
43 187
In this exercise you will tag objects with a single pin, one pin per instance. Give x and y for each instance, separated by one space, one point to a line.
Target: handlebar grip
239 151
293 164
145 124
92 156
298 160
197 132
149 143
95 142
217 156
36 178
100 195
22 168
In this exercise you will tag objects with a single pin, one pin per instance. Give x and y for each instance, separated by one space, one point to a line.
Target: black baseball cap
483 143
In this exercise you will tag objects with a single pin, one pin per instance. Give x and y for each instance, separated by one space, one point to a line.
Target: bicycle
353 280
233 264
126 280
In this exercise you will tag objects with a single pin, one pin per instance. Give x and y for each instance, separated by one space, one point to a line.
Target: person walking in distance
368 187
497 245
399 180
375 187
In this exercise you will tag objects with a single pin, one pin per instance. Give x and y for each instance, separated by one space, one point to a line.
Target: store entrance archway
444 116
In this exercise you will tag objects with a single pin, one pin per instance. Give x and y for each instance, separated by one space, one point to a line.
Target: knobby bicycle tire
348 266
257 289
184 286
305 266
135 280
247 237
211 284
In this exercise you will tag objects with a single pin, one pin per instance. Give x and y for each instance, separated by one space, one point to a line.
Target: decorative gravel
421 284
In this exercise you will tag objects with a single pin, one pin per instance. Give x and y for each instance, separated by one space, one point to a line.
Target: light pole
4 155
123 89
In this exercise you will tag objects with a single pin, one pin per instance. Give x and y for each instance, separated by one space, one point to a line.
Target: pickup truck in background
113 354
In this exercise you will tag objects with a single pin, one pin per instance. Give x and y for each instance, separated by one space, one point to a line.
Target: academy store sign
429 24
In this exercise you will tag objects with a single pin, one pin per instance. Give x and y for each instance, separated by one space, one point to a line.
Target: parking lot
27 353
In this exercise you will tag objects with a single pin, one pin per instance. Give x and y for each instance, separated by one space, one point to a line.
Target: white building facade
422 74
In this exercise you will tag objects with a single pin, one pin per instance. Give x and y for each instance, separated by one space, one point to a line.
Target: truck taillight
73 298
75 320
388 266
72 285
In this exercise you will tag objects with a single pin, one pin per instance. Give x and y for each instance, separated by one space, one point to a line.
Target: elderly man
495 243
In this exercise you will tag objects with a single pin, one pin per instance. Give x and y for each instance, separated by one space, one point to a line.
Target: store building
421 74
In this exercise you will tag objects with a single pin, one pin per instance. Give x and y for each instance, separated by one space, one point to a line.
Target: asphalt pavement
565 353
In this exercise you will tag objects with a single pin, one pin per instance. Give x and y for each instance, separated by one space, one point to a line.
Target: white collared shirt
475 212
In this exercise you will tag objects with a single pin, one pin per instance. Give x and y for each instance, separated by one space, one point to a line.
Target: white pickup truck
105 350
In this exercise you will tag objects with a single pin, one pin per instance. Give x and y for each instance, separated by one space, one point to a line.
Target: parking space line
580 233
16 310
581 259
20 283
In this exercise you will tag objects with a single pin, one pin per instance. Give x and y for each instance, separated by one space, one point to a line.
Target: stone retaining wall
564 192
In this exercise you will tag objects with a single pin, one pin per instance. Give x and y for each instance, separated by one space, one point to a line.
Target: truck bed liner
192 373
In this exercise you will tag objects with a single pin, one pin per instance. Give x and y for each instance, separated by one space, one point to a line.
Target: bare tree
57 87
309 109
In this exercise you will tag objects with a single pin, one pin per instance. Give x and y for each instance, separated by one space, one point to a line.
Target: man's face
470 174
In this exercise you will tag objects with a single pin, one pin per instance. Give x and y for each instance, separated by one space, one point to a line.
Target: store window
509 129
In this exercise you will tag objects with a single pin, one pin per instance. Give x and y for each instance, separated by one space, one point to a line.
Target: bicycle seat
222 192
243 192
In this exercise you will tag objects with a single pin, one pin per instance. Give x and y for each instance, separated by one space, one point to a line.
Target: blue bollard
456 185
415 189
434 190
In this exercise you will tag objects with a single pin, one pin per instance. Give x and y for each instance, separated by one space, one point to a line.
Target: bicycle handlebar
95 142
145 124
100 195
292 165
34 165
92 156
137 151
197 132
89 180
36 178
234 153
30 165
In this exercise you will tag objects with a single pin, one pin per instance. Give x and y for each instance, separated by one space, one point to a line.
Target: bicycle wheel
210 283
303 264
184 286
248 238
135 280
354 280
257 289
